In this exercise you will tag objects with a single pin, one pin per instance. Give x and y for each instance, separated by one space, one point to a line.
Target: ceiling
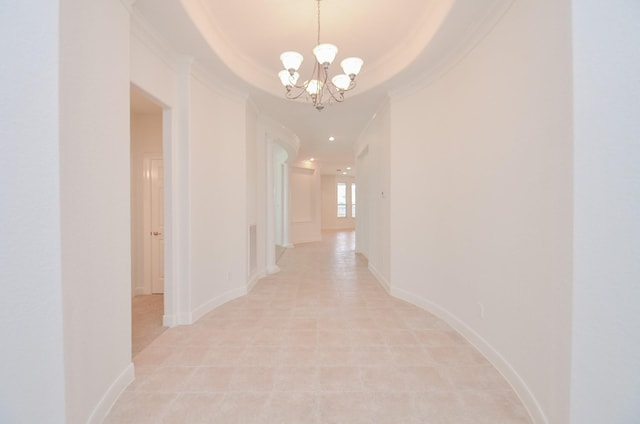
402 42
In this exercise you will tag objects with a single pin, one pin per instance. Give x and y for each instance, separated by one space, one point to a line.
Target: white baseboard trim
112 394
309 240
189 318
209 306
383 281
498 361
169 321
254 280
177 319
273 269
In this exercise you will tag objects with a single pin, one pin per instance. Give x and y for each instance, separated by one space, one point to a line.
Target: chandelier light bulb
351 66
341 81
314 87
287 79
291 61
325 53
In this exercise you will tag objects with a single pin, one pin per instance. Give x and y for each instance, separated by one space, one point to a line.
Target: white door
157 225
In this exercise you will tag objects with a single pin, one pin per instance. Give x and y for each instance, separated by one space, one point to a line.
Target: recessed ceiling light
348 168
312 159
332 138
344 173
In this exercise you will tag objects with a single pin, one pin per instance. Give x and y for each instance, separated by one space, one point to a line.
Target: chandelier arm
335 93
295 94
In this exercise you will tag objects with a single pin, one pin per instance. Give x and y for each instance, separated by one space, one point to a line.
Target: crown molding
128 4
208 78
147 35
478 27
281 135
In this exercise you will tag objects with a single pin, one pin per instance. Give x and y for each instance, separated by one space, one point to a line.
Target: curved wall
481 212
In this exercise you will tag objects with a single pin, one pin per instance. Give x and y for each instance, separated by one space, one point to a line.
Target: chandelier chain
318 4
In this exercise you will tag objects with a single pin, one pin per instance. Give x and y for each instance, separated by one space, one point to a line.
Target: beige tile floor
319 342
146 321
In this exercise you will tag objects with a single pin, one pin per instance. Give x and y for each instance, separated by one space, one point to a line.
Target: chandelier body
319 90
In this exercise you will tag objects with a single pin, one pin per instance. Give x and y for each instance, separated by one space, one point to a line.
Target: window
353 200
342 200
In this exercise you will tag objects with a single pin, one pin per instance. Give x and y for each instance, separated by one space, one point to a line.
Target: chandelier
318 89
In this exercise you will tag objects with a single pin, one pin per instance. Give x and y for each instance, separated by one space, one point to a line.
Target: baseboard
169 321
254 280
381 279
308 240
273 269
189 318
209 306
112 394
492 355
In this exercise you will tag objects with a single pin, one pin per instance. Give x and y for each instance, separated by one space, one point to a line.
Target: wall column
272 268
286 207
177 183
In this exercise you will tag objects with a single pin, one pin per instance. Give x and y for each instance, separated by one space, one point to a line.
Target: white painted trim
128 4
309 240
209 306
174 320
477 30
111 395
383 281
281 134
254 280
169 321
492 355
358 147
273 269
212 82
149 36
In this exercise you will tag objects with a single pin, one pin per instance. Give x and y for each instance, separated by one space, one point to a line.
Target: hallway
319 342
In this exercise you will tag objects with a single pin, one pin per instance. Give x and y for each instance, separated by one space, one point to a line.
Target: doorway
147 219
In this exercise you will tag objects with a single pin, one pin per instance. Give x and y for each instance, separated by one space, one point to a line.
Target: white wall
146 138
374 190
95 204
279 192
304 184
606 292
218 203
481 223
330 221
31 357
255 194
